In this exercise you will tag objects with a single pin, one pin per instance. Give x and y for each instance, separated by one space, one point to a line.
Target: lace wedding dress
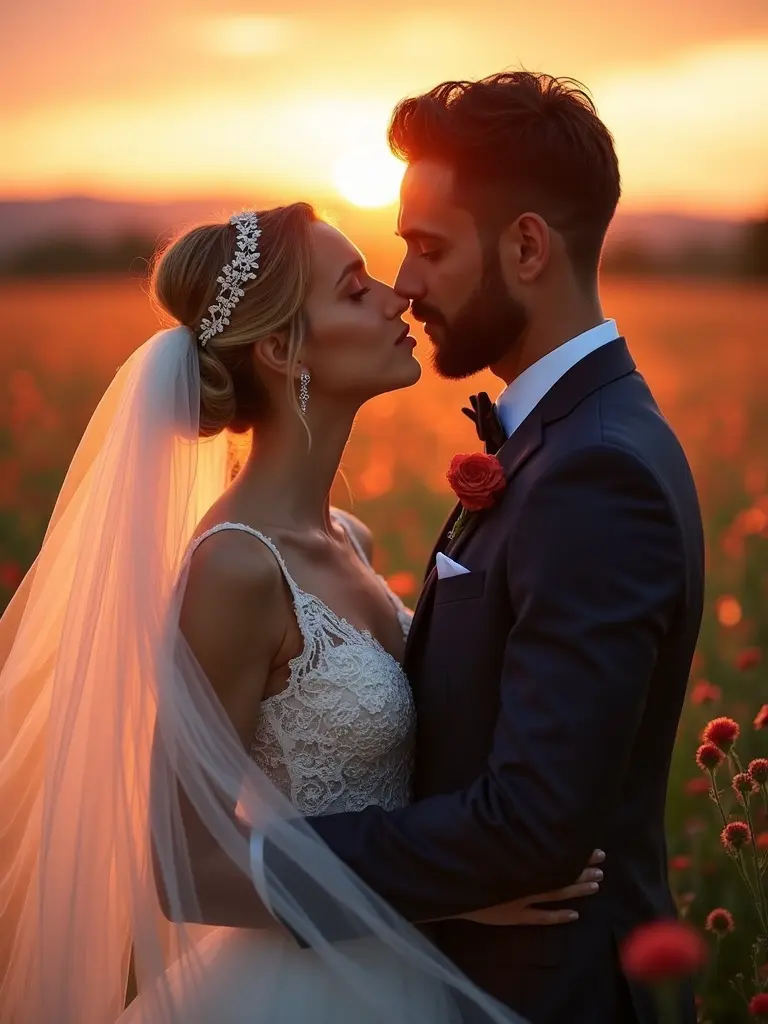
339 737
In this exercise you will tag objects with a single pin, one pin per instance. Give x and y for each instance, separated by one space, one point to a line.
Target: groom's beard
483 331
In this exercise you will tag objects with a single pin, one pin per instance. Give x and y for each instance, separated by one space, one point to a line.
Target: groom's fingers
570 892
548 917
590 875
597 857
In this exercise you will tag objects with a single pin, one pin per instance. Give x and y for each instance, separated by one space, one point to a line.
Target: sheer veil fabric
110 733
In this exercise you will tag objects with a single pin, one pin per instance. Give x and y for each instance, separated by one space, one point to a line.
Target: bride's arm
235 619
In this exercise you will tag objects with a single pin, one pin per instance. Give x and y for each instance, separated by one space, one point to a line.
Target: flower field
702 349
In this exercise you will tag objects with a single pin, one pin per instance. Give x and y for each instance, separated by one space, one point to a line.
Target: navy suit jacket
548 684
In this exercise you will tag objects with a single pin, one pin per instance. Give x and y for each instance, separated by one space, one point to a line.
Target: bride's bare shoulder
235 616
232 574
236 555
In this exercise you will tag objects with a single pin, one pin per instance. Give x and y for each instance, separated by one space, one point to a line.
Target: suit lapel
601 367
443 538
430 578
513 454
422 606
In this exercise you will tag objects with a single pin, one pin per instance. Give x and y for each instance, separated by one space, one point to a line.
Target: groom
549 677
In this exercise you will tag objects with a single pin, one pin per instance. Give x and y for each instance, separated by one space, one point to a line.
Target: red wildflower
705 693
744 785
663 950
720 921
709 757
697 786
723 732
736 834
761 719
758 1005
728 610
758 769
761 840
679 863
403 583
749 658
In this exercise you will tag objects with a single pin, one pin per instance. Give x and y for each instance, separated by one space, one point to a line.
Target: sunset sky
182 98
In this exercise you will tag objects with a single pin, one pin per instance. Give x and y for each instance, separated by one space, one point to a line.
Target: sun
368 176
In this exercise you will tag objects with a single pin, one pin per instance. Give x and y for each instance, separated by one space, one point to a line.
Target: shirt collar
524 393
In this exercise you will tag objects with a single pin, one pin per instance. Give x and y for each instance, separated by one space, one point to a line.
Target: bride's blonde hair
184 284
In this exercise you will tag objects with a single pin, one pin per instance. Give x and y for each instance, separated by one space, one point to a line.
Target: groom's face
453 277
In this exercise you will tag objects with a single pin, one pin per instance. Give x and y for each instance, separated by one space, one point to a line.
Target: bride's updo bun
184 284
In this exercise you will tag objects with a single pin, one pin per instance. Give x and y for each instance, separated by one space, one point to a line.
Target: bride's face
357 343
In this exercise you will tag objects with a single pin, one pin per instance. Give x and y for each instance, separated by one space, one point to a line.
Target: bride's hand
527 911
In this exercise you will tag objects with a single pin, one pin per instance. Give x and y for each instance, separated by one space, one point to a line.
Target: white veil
112 741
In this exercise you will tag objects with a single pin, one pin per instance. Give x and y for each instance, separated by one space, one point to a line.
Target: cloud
692 129
244 35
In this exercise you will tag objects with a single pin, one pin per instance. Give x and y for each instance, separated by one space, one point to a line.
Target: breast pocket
460 588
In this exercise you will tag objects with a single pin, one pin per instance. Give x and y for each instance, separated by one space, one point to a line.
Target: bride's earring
304 390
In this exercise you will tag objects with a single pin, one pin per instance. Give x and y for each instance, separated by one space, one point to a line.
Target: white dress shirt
521 397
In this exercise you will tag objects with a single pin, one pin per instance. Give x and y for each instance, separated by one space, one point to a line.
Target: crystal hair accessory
233 275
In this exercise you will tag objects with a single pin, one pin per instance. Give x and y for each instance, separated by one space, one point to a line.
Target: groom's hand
526 911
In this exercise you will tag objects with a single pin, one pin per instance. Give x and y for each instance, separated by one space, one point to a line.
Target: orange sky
188 97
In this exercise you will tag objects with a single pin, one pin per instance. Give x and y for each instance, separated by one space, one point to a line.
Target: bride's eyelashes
359 295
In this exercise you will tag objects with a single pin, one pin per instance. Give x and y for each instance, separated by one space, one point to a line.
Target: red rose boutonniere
477 480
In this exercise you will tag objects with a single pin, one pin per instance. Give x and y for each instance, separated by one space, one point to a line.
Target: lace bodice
340 736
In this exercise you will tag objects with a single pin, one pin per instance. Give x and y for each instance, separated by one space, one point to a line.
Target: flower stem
458 526
741 865
716 797
667 999
762 902
738 860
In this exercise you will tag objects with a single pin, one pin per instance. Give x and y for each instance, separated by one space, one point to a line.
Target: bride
202 653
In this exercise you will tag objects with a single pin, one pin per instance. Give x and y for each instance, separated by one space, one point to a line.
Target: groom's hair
519 141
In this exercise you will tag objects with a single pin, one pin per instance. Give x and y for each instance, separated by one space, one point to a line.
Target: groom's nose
409 283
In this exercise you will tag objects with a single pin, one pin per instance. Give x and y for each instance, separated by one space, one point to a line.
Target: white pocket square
447 567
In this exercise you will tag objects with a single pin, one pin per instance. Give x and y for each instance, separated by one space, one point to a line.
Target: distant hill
27 221
36 232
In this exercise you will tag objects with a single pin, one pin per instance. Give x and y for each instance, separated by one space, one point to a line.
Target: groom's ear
524 248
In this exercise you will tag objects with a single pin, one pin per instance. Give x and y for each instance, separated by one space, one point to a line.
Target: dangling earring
304 390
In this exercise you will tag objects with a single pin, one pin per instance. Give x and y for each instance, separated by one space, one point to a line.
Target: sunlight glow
243 36
264 125
369 176
685 140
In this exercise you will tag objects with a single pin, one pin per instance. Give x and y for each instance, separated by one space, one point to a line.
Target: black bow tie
486 419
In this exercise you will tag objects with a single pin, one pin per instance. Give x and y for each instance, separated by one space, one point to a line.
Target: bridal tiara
233 275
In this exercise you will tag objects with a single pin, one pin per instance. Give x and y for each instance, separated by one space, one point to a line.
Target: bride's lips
404 337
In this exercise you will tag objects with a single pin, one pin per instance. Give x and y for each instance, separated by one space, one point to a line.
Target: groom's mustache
427 314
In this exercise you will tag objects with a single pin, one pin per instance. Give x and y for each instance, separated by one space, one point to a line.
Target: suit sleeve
595 574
